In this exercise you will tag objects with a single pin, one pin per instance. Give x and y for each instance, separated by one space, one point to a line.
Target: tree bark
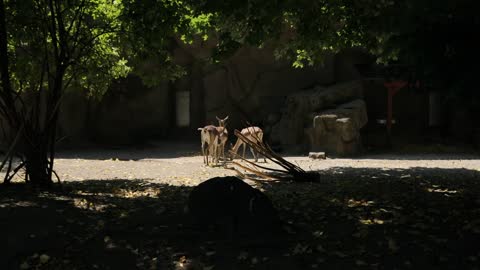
8 106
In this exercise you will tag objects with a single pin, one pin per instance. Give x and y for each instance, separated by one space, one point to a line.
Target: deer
254 134
209 139
222 136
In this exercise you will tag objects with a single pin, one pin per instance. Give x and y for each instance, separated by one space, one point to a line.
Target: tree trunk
36 166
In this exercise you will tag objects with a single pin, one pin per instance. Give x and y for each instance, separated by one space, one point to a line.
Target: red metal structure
393 87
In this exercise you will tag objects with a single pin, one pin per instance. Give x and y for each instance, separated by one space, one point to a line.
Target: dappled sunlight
14 204
356 203
132 193
371 221
124 193
446 191
86 204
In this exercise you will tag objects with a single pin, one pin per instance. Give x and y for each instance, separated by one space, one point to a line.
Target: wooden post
392 88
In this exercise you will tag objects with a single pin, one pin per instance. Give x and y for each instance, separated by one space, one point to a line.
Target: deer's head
221 122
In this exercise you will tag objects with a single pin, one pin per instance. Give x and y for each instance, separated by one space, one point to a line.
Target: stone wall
252 86
322 119
337 131
128 113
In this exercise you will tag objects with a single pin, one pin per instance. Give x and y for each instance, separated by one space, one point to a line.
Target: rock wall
128 113
337 131
322 119
252 86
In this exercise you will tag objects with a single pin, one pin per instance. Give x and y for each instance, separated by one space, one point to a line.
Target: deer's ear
226 118
218 118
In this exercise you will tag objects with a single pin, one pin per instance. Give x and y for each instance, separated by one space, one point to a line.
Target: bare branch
12 146
259 173
293 171
15 171
56 175
256 165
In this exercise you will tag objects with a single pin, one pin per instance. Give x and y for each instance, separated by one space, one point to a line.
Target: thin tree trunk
52 126
6 93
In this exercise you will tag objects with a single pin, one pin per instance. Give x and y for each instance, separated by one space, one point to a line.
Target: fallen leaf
210 253
24 266
320 248
300 249
44 258
242 256
378 221
340 254
360 262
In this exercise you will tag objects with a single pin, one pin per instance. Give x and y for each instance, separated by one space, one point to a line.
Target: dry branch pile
287 170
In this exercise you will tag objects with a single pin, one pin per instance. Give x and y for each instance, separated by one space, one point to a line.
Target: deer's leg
218 149
260 140
244 147
207 153
253 153
215 153
223 152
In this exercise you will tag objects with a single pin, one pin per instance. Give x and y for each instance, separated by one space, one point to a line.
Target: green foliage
300 31
48 46
141 36
434 36
91 44
149 29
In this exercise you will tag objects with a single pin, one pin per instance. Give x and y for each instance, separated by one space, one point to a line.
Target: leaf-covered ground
355 218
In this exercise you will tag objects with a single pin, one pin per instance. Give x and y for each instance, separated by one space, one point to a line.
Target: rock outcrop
323 119
337 131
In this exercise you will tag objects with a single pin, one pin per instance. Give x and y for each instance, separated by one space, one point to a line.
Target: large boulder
232 205
326 119
337 131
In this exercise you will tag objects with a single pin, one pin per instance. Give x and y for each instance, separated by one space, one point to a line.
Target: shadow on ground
353 219
151 150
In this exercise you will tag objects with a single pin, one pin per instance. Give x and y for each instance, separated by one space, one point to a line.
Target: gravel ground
182 164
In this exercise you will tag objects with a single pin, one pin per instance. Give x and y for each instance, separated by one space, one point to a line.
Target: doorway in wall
182 109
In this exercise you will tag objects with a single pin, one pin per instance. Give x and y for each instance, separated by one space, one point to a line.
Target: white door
182 99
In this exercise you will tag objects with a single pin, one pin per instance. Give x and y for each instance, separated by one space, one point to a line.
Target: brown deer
254 134
209 138
222 137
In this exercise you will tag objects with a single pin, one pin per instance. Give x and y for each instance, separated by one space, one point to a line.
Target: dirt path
182 165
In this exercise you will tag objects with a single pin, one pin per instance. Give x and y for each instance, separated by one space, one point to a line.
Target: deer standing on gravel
209 138
254 134
222 137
